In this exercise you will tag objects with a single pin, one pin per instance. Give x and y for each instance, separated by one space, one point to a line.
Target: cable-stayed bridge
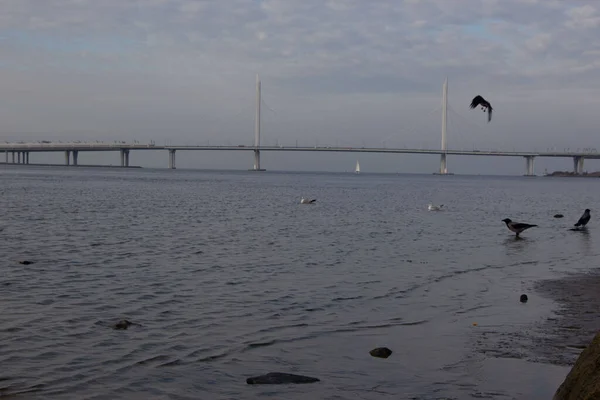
18 153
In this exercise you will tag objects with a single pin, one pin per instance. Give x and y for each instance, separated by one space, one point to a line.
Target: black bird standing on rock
585 218
516 227
480 101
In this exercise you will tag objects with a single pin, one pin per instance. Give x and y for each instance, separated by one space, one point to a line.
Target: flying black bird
516 227
480 101
585 218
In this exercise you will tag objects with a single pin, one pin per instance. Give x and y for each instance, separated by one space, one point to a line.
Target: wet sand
559 338
576 320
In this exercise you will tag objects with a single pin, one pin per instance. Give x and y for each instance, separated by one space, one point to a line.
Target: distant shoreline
574 175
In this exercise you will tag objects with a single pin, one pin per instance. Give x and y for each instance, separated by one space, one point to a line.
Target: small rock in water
123 324
25 262
524 298
558 215
381 352
276 378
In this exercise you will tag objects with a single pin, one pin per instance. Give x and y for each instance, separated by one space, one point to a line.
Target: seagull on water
585 218
306 201
480 101
431 207
516 227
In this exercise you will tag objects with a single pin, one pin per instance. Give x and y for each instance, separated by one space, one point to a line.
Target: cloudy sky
345 72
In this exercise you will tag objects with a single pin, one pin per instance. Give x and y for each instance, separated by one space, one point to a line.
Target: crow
480 101
516 227
585 218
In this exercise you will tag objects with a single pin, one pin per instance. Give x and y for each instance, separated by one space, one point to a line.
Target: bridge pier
13 156
19 157
124 158
172 159
67 157
26 157
6 155
529 163
578 165
75 156
257 162
443 164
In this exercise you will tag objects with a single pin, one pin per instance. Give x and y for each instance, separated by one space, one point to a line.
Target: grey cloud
178 62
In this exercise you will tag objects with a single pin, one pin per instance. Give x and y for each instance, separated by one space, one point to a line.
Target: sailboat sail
357 169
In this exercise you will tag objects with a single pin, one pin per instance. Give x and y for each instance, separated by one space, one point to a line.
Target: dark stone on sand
277 378
25 262
381 352
123 324
523 298
583 381
558 215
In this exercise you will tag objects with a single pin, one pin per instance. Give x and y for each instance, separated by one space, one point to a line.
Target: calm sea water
230 277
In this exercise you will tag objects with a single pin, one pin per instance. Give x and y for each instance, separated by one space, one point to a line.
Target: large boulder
583 381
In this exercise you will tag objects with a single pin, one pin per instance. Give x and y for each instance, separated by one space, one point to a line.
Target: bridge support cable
265 125
412 130
462 125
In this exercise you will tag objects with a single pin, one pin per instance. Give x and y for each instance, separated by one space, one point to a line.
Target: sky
333 72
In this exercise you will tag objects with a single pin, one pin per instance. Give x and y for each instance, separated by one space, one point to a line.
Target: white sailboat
357 169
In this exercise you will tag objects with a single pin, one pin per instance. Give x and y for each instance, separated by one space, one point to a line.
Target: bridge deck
53 147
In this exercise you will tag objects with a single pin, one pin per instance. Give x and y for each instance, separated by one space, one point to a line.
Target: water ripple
229 277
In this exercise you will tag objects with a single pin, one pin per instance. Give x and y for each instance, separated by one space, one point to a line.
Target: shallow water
230 277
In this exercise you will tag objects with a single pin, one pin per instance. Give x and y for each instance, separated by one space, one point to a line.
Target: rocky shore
583 381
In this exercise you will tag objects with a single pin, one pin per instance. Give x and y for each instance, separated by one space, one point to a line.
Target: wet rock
558 215
583 381
381 352
25 262
124 324
276 378
523 298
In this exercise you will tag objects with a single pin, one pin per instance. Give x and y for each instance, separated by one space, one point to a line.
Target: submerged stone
523 298
123 324
381 352
558 215
275 378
